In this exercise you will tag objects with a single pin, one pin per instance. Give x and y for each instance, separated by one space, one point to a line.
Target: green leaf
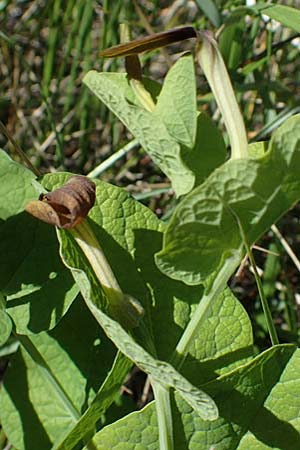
290 17
209 150
16 188
116 220
216 351
5 322
277 425
171 300
254 412
210 10
113 205
9 348
103 399
160 371
149 130
39 288
5 327
257 149
138 430
177 104
231 41
172 306
58 380
205 228
252 66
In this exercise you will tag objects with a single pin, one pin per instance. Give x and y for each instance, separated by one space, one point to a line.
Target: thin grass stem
109 162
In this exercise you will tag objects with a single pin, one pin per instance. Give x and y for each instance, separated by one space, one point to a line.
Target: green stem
87 241
123 307
266 309
164 415
142 94
203 309
111 160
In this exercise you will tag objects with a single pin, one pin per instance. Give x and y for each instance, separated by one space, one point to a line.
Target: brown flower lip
150 42
66 206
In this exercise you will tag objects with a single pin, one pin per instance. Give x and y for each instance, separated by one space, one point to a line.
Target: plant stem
286 247
266 309
111 160
203 309
87 241
18 149
142 94
164 415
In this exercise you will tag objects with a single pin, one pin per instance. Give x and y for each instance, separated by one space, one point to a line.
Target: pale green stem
211 61
164 415
111 160
124 307
142 95
88 242
203 309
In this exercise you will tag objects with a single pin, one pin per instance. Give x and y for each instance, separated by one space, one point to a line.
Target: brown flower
67 206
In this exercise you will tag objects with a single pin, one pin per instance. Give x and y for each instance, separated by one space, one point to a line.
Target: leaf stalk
164 415
203 309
